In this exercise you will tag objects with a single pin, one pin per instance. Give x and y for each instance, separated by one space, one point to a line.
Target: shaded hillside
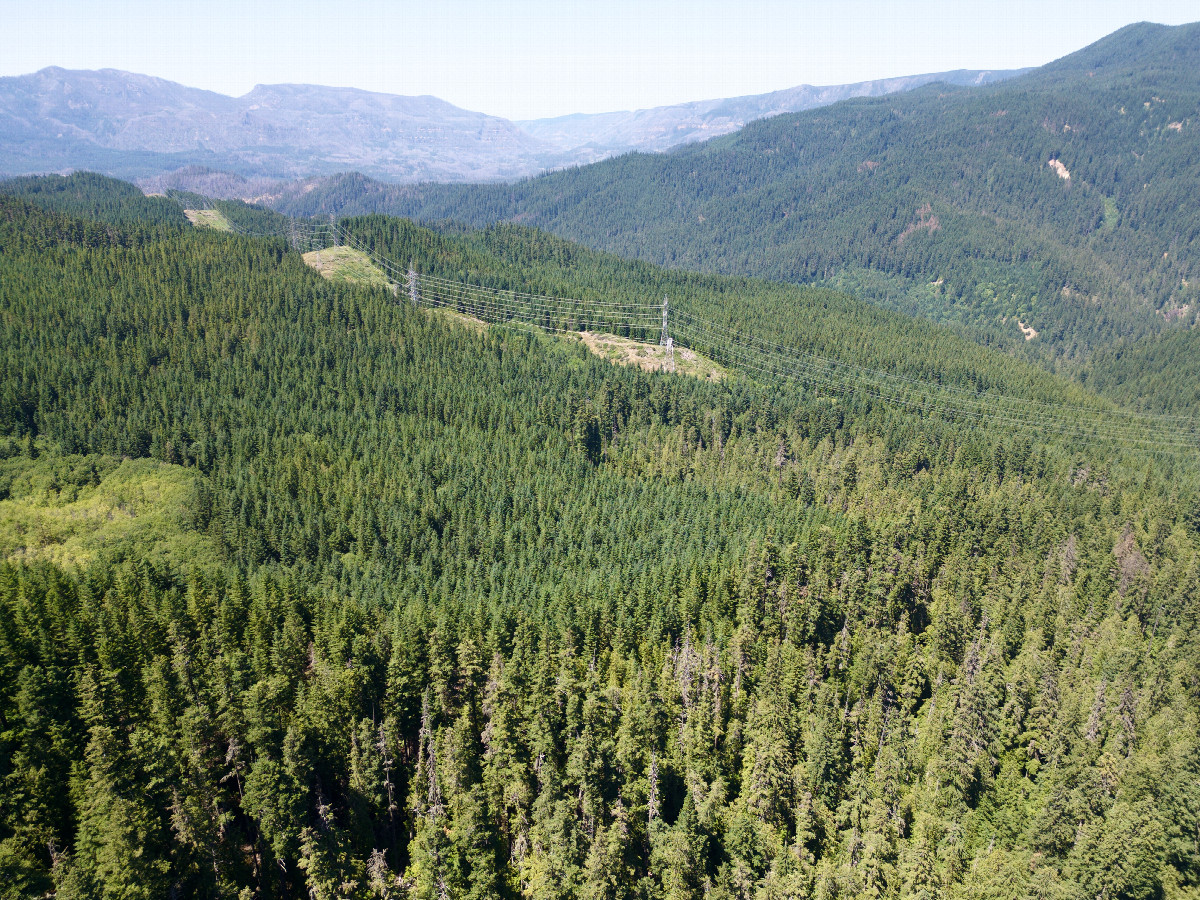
1065 199
1160 373
813 320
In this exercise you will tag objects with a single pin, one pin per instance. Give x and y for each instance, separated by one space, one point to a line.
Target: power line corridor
672 328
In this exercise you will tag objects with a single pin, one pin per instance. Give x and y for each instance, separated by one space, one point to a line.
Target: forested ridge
477 614
94 198
950 203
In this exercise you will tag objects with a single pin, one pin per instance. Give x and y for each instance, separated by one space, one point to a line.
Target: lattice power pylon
666 341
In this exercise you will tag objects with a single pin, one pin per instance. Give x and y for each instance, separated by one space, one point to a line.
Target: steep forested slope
493 618
1160 373
951 203
825 322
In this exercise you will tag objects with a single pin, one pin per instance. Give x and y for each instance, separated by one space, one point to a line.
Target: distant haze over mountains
664 127
137 126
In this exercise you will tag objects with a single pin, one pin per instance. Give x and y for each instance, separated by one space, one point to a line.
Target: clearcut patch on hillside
620 350
649 357
347 264
208 218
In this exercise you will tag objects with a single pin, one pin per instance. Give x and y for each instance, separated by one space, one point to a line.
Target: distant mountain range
665 127
132 125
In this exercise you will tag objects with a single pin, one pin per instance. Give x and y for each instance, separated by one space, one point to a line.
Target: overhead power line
736 349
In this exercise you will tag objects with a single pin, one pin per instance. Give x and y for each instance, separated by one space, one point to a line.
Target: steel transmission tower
666 341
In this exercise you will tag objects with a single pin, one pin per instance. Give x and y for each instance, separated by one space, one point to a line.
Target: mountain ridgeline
1062 203
132 125
309 593
595 136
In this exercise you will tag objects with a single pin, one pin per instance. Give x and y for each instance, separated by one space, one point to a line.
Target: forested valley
1054 214
306 592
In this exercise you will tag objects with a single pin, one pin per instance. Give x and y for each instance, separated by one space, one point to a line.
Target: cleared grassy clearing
649 357
347 264
620 350
208 218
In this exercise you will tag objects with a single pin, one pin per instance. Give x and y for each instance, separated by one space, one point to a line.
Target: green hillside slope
950 203
819 321
96 198
475 613
1160 373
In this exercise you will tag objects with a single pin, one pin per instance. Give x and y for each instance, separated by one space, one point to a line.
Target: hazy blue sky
533 58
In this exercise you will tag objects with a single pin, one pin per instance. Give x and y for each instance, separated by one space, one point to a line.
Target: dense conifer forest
306 592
